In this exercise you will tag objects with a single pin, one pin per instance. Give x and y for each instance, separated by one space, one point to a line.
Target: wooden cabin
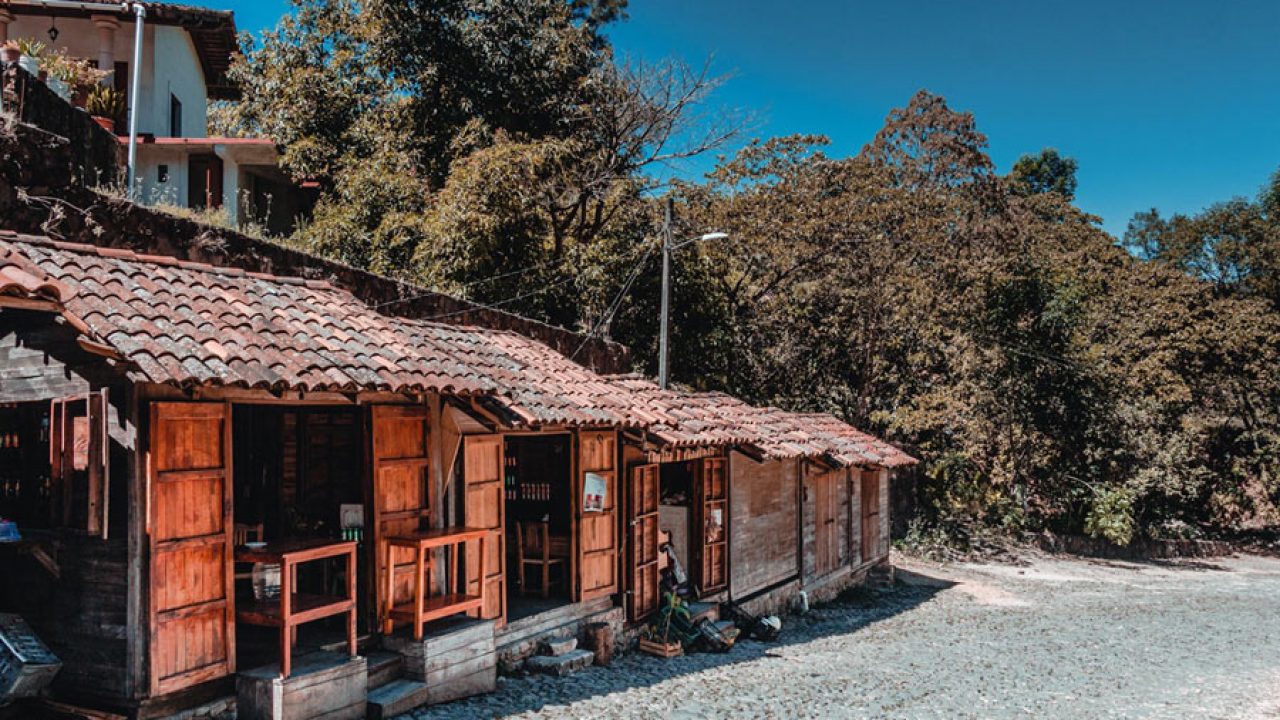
171 431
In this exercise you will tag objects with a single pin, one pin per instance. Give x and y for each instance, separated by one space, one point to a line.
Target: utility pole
666 294
669 245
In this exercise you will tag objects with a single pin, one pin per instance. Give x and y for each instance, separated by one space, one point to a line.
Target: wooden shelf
304 607
422 609
440 606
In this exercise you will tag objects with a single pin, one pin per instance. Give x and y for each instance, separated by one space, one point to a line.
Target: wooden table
423 609
294 608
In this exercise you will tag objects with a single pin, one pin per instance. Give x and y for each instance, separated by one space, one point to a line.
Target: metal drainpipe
139 17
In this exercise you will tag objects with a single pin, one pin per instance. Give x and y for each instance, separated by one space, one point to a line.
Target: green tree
1046 171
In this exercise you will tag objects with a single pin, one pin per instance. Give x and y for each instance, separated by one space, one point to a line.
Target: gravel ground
1045 638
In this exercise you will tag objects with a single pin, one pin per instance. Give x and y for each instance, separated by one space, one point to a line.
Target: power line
491 278
497 304
616 304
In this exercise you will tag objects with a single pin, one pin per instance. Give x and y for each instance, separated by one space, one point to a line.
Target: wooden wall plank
765 511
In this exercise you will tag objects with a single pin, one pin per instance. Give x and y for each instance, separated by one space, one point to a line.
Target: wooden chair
241 535
535 546
242 532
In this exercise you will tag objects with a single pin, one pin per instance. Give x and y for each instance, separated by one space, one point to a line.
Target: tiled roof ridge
158 259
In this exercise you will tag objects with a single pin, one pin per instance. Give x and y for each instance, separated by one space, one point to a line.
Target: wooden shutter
401 490
643 547
713 524
79 461
483 470
597 560
825 531
192 600
870 513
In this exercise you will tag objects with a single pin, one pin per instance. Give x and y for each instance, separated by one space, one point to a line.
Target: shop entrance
693 514
297 477
538 499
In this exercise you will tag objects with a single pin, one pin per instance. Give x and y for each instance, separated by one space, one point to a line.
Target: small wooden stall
214 470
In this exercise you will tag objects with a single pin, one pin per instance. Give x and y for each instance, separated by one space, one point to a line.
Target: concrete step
557 646
384 667
560 665
395 698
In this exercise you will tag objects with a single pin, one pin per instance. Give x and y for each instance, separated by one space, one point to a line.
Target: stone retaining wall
1136 550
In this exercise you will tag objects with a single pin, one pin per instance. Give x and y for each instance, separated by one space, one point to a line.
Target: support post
666 295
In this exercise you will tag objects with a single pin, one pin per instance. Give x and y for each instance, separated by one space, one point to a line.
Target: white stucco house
186 52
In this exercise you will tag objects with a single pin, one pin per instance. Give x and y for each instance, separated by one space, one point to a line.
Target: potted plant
10 52
106 106
32 51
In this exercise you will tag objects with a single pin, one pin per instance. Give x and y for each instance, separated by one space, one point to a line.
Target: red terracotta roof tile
185 324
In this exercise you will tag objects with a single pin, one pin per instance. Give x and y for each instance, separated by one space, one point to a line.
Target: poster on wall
593 492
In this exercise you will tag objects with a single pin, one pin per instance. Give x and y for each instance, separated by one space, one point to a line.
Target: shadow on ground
854 610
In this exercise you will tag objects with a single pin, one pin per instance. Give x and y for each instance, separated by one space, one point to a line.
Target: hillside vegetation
1048 374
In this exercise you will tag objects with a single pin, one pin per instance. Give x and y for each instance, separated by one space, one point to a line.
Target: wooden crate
325 685
455 659
662 650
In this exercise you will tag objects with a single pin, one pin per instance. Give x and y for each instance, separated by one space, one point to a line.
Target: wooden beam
23 303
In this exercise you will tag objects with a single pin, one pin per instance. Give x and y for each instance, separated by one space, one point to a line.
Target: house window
175 116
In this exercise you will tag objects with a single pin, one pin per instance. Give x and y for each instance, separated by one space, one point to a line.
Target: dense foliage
1048 375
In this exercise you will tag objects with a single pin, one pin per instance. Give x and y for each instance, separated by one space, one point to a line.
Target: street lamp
669 246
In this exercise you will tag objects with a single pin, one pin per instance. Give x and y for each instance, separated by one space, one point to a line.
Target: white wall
177 71
170 65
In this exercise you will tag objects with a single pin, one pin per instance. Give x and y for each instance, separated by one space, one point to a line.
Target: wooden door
642 556
401 490
826 549
597 536
192 600
204 182
482 462
870 513
713 524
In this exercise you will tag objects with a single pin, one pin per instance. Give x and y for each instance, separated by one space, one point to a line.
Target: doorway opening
298 476
539 523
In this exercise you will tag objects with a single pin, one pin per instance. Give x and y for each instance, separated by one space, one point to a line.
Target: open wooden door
713 524
870 514
401 490
642 550
595 507
826 549
483 461
192 600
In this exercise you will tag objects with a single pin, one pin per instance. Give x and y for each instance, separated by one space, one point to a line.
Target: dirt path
1056 638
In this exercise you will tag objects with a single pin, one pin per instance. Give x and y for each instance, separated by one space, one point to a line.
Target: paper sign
593 493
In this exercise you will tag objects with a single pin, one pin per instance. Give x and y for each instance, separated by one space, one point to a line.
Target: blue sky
1172 104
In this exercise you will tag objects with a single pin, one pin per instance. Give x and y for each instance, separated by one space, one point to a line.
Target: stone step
395 698
384 667
557 646
560 665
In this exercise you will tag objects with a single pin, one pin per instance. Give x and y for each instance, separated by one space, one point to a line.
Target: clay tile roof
186 323
23 278
684 418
